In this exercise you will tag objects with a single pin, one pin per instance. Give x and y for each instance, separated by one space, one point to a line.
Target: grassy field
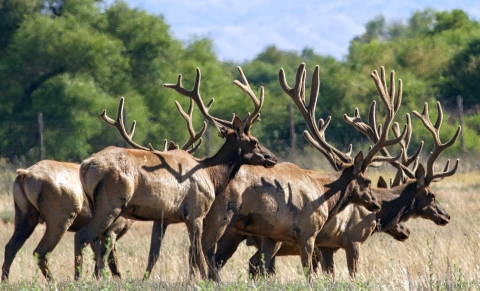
440 258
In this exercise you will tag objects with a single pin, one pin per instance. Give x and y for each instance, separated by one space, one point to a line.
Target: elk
51 192
168 187
353 224
411 199
287 203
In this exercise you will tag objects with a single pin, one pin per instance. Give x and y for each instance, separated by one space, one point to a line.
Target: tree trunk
40 131
293 135
460 118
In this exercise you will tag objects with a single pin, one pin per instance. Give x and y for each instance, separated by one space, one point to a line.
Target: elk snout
400 232
375 206
371 203
437 214
270 161
443 220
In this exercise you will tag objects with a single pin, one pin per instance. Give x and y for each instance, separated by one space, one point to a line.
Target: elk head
239 142
425 203
415 182
399 232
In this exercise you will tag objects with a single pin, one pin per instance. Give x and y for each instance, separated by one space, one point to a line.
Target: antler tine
165 145
405 159
371 132
194 94
446 172
438 146
316 135
188 119
391 108
254 116
405 142
120 126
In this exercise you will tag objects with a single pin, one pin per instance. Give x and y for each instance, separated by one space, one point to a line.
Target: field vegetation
434 257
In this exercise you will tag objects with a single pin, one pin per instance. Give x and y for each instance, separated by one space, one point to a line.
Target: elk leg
52 236
327 262
254 265
104 247
25 223
197 258
113 263
100 221
158 231
218 218
267 251
353 252
226 247
123 226
306 252
95 245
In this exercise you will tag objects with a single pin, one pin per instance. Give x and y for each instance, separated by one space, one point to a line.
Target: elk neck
222 166
397 204
338 195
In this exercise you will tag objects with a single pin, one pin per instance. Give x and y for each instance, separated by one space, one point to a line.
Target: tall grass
433 258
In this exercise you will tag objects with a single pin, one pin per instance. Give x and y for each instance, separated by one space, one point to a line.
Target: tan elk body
51 192
168 187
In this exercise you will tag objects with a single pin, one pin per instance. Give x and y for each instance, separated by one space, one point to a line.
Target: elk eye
255 143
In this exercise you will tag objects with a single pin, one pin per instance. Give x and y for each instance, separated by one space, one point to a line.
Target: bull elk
352 225
412 197
287 203
51 192
168 187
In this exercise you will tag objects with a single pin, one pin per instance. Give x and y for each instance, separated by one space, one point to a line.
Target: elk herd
240 193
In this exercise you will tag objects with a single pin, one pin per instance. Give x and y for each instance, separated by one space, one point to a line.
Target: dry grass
444 256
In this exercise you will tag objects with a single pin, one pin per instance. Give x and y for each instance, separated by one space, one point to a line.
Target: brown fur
51 191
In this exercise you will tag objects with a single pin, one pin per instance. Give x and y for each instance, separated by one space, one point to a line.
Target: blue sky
241 29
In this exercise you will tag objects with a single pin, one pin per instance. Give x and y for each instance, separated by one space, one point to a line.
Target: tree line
68 60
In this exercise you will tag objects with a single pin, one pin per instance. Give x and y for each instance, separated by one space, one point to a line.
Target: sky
241 29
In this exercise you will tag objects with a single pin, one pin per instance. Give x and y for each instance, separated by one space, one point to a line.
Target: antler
406 161
372 130
193 136
120 126
194 94
118 123
439 147
255 115
316 135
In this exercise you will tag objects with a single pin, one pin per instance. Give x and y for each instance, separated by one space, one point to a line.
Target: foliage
70 59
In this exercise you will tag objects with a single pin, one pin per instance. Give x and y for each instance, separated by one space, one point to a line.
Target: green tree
461 77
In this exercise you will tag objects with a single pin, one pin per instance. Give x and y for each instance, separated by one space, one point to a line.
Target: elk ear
222 130
238 127
420 176
358 163
382 183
